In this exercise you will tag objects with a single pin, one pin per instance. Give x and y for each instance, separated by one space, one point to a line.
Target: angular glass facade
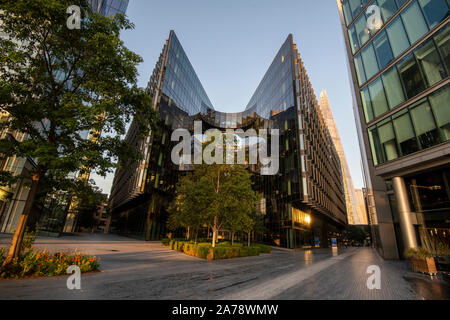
400 76
109 8
309 180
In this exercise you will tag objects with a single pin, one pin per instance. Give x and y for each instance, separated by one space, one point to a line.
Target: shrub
420 253
165 241
223 250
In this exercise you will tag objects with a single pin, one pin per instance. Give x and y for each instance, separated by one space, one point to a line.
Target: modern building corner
399 71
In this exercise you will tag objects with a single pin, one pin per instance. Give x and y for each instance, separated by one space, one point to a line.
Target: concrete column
404 212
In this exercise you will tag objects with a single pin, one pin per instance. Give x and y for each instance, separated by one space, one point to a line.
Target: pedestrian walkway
133 269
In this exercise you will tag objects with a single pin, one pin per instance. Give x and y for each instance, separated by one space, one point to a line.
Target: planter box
426 265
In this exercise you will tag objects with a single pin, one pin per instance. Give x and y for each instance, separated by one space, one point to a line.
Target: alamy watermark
74 281
229 148
374 21
74 20
374 281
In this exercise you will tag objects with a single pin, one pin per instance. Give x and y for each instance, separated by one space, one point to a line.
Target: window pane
397 36
410 75
347 13
355 6
400 2
435 11
360 70
406 139
387 8
367 105
424 124
382 49
378 98
414 22
370 61
393 87
387 140
353 39
375 146
443 42
430 62
361 29
440 102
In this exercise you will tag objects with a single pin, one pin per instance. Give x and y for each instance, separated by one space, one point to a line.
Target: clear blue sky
231 44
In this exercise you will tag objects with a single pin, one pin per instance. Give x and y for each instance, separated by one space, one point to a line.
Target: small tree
56 83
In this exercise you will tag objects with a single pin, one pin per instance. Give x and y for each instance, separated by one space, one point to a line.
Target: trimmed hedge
223 250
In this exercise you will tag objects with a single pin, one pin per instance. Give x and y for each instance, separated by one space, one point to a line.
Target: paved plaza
133 269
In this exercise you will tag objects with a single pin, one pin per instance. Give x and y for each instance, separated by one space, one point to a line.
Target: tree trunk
188 233
16 244
214 228
248 242
232 238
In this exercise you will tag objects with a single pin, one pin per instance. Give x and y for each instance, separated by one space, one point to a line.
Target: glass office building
303 204
109 8
400 76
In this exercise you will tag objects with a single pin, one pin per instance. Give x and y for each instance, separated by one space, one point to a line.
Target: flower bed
222 250
43 264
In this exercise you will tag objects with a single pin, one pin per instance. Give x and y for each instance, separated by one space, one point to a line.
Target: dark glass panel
411 77
430 62
404 131
435 11
387 8
382 49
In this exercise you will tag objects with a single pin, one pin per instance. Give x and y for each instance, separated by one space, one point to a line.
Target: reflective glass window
411 76
406 138
393 87
400 2
361 29
378 98
424 125
440 103
435 11
353 39
414 22
430 62
360 69
375 146
347 12
397 36
387 8
382 49
367 105
370 61
387 141
355 6
443 42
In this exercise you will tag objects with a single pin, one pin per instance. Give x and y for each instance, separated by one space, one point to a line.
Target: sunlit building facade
356 210
303 204
399 69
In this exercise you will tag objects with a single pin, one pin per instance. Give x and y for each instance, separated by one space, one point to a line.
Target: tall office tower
303 204
109 8
13 199
356 213
399 65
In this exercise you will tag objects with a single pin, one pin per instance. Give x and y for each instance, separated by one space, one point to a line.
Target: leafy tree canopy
58 84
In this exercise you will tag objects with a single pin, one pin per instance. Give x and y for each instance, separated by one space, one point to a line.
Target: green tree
57 83
215 195
190 206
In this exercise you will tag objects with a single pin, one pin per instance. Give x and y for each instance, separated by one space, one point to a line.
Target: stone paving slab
133 269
